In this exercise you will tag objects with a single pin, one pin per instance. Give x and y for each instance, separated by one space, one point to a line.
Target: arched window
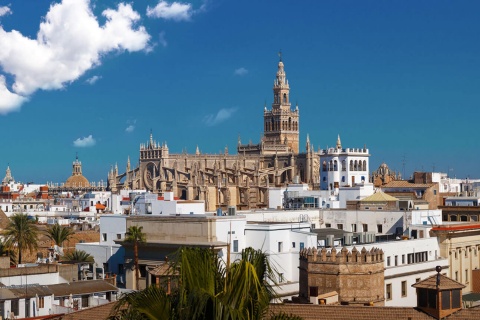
284 98
324 166
364 165
344 166
351 165
355 166
330 166
289 123
335 165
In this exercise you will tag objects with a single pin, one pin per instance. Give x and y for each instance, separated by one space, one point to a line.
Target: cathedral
222 180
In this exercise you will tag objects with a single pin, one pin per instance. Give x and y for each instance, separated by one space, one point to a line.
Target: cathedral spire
128 163
308 143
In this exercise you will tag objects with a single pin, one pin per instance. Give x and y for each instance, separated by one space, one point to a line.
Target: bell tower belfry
281 124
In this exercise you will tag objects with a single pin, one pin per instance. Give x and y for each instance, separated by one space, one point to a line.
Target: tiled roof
338 312
406 184
95 313
81 287
445 283
379 197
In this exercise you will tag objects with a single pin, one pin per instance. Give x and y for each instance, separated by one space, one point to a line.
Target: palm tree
78 256
135 236
206 289
59 234
21 233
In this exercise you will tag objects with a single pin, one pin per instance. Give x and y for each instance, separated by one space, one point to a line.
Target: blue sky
401 77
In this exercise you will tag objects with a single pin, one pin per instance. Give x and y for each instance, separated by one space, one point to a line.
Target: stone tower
281 123
357 276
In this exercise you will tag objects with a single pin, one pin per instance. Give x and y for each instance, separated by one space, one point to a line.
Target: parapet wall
342 256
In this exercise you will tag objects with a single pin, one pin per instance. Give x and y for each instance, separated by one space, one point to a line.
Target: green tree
20 234
78 256
59 234
206 289
135 236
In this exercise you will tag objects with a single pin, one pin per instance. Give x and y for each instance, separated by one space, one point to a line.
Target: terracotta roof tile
445 283
379 197
337 312
95 313
406 184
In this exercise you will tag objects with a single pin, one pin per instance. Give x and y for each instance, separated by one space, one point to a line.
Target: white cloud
84 142
222 115
93 79
240 71
4 11
69 42
130 128
176 11
9 101
161 39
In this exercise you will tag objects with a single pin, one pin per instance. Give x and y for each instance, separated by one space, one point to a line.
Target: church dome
77 181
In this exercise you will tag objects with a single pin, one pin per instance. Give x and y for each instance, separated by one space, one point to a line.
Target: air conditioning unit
329 241
348 239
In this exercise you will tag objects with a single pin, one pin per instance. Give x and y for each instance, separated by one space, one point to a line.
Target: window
403 259
119 236
143 270
340 226
302 245
404 288
104 237
293 244
280 246
313 226
41 302
365 227
456 275
235 245
14 306
280 277
354 227
396 260
328 225
84 301
388 261
388 292
379 228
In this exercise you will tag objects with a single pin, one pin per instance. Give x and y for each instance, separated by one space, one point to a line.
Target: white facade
327 199
151 203
106 253
89 200
343 167
407 262
282 242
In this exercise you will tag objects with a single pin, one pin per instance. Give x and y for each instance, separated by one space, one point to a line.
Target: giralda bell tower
281 124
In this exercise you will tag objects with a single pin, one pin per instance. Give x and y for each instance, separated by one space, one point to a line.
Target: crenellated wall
356 275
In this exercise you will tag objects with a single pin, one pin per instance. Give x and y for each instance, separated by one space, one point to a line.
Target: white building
343 167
